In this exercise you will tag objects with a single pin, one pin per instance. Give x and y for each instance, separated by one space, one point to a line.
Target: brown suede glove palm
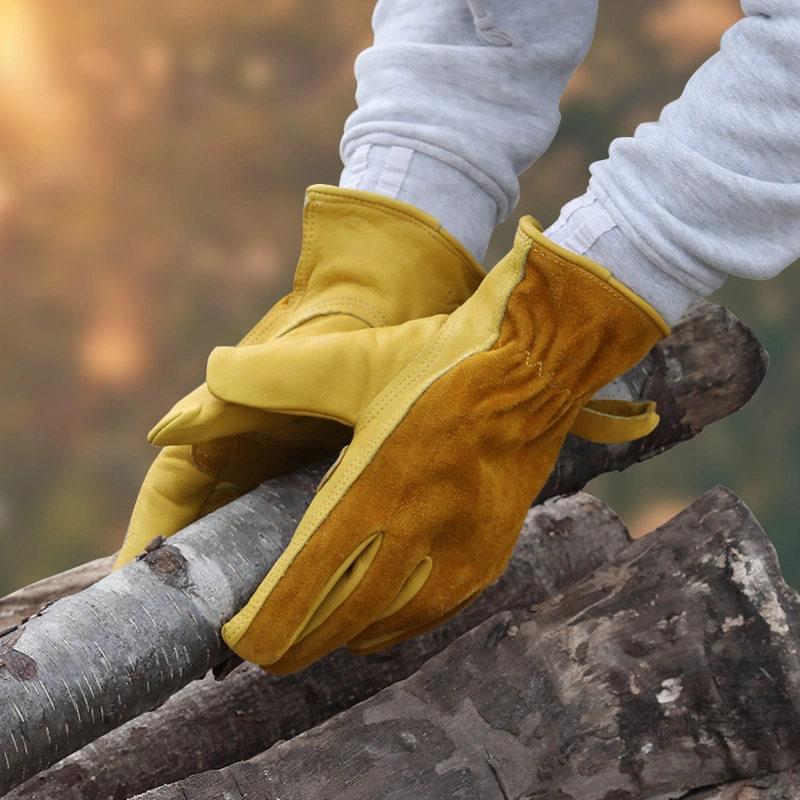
458 420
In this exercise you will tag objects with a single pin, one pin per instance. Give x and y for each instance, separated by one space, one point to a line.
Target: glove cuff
374 258
531 227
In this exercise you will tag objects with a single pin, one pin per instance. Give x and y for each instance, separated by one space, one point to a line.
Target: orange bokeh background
153 159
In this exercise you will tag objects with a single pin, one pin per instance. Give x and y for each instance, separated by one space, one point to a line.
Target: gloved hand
458 420
366 261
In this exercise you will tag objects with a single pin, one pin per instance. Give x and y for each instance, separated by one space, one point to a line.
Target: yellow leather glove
458 420
366 261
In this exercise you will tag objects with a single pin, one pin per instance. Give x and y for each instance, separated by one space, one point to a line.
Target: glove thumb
331 376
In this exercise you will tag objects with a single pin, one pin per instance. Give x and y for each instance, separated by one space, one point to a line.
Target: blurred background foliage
153 159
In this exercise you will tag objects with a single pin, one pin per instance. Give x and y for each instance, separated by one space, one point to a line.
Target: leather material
366 261
459 420
611 421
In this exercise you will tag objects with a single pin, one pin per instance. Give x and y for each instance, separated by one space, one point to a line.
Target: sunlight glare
33 104
22 67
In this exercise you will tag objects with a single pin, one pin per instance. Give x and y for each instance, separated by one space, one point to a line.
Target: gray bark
675 668
561 542
774 786
100 658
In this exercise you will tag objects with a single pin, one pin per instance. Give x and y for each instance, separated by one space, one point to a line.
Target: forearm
711 188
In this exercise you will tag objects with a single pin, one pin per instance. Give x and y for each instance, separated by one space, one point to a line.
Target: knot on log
169 564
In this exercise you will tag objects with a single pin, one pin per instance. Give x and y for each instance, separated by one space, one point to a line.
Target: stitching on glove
323 308
265 325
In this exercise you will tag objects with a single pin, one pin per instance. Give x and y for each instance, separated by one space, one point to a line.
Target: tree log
153 619
783 785
94 660
19 606
561 542
675 668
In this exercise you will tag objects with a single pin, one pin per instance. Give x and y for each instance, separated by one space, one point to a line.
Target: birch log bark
141 634
22 604
676 667
96 659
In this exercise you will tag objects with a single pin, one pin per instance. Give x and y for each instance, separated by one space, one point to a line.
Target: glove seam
313 309
302 275
557 260
325 313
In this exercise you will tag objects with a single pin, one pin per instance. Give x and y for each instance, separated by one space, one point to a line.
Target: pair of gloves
451 392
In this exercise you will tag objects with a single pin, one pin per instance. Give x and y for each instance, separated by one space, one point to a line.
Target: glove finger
389 630
250 459
350 615
451 582
330 376
412 586
200 417
173 495
247 445
282 610
398 571
376 638
445 590
611 421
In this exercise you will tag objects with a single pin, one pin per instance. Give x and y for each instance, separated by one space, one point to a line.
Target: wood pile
596 667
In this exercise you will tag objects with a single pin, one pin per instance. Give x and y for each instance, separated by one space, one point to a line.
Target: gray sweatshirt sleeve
713 187
432 85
